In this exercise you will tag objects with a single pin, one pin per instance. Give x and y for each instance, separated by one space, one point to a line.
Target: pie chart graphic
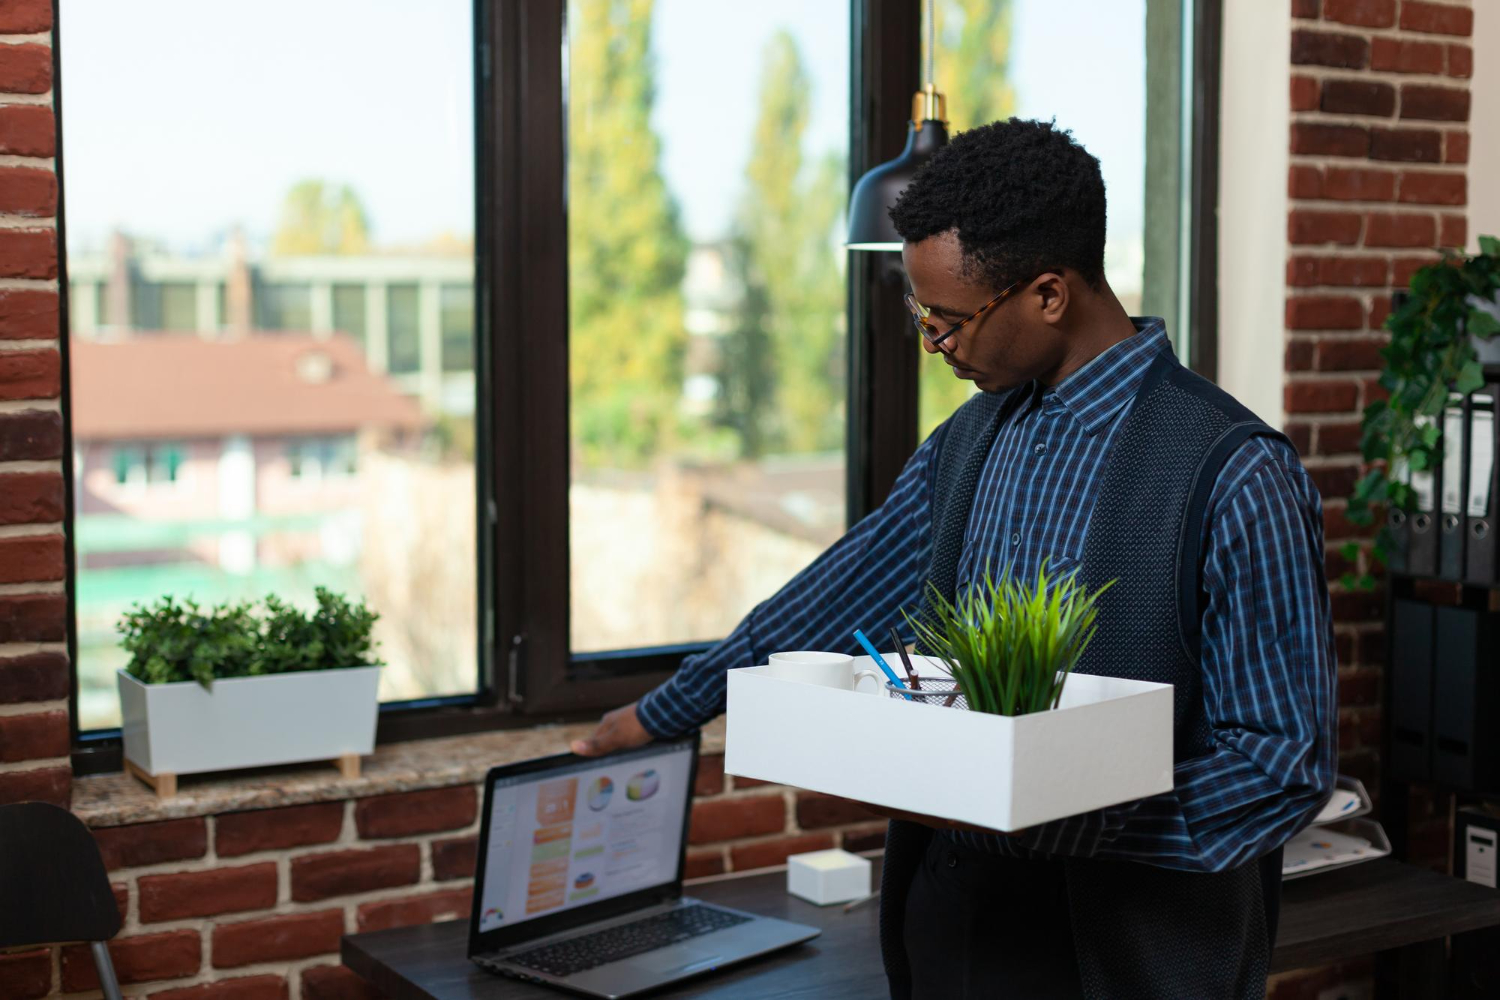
584 881
642 786
599 793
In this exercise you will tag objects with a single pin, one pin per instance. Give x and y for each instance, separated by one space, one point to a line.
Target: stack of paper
1322 847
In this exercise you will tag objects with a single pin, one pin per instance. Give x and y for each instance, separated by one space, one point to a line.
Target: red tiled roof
179 385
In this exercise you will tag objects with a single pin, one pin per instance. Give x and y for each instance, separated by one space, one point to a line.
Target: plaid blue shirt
1269 669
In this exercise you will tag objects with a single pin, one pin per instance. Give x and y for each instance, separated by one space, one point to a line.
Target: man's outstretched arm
864 580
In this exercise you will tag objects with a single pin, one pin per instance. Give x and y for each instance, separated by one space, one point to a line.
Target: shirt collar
1097 391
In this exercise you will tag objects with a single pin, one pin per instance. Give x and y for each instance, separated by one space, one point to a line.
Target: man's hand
618 730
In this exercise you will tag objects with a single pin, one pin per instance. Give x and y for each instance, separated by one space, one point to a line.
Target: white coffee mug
828 669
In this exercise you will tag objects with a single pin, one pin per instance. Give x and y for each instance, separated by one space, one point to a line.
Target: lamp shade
870 226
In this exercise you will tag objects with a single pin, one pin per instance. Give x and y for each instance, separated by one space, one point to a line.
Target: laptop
578 879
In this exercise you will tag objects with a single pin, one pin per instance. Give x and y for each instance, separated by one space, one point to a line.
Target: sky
179 135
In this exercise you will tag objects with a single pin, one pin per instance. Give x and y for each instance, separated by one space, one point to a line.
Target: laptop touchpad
679 958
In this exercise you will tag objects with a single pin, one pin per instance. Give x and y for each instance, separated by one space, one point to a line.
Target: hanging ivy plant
1431 353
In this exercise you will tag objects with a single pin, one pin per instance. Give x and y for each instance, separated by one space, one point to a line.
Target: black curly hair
1023 196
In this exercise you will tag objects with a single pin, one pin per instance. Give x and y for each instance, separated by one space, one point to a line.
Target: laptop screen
583 832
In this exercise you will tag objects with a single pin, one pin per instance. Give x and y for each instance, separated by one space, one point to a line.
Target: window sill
119 799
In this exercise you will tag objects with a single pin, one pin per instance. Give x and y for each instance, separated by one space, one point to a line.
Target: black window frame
527 673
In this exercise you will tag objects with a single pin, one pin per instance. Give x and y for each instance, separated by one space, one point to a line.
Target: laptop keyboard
565 958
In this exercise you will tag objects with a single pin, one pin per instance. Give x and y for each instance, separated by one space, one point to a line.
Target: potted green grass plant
240 685
1009 644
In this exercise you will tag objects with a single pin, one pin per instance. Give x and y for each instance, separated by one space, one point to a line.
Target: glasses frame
919 314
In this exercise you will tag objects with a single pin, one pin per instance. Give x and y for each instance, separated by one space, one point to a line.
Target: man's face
1009 344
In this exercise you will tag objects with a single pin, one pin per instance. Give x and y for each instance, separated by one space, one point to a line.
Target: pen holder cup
942 691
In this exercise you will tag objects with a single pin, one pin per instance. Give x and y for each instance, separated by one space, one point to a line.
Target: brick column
34 735
1379 142
1378 181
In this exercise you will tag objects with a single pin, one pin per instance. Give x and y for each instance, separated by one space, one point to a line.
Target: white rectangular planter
1109 741
180 728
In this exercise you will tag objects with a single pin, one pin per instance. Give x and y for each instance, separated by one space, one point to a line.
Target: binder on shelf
1422 547
1411 689
1398 525
1451 504
1465 751
1479 513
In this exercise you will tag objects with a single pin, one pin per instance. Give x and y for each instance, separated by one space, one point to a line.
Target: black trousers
984 926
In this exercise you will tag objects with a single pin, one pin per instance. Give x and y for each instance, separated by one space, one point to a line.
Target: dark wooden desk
1383 906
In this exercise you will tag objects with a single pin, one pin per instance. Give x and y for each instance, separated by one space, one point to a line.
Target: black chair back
52 879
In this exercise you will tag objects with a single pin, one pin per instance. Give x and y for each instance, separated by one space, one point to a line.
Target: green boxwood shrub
174 640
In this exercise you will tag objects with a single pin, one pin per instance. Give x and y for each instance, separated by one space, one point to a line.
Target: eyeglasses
919 314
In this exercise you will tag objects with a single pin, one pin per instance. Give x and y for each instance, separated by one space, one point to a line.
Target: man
1091 447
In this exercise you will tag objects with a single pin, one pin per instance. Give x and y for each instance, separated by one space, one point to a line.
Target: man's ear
1051 294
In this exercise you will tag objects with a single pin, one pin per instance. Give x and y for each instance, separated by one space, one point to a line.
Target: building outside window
244 264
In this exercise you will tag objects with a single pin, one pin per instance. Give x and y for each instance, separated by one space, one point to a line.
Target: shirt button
1040 449
953 861
1015 539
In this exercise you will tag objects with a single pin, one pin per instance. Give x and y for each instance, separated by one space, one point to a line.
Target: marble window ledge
119 799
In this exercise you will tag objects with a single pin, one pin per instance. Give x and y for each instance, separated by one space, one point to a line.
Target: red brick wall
1378 180
34 734
255 902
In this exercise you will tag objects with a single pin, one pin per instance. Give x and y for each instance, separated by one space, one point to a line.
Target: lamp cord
931 41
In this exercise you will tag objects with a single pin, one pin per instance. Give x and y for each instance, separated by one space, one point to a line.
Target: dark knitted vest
1139 930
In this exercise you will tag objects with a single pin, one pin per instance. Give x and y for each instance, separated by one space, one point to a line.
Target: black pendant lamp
870 226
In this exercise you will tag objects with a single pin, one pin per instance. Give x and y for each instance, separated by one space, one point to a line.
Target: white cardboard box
828 877
1109 741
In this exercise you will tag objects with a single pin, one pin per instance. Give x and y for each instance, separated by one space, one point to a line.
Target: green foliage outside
626 247
781 366
973 71
783 369
973 61
180 641
1010 646
319 217
1431 352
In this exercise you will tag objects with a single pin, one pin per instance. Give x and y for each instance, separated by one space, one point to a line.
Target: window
997 58
349 311
283 305
179 306
162 463
705 309
458 328
312 459
140 465
130 465
569 408
229 251
404 329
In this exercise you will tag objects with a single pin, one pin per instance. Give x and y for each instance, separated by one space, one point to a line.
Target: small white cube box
826 877
1108 741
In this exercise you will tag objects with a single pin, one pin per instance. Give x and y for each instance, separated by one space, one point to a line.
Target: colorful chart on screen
600 792
642 786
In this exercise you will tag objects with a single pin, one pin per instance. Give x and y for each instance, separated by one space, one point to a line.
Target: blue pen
880 662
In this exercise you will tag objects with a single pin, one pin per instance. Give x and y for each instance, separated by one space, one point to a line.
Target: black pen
911 674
